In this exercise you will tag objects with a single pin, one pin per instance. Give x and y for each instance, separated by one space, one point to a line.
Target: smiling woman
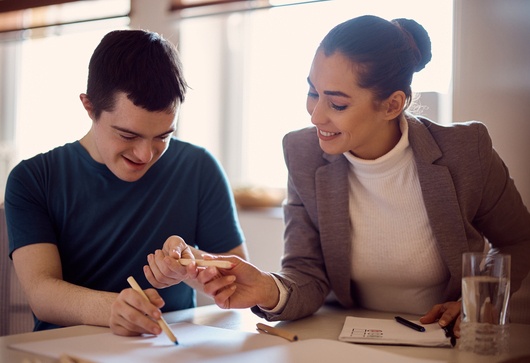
349 118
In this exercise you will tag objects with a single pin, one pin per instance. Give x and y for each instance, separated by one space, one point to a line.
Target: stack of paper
386 331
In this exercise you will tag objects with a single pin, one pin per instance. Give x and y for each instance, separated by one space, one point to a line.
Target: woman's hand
164 270
445 314
242 286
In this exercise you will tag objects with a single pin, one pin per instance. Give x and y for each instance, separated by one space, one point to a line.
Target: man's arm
56 301
38 267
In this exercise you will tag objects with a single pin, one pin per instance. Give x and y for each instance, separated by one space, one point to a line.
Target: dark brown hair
142 64
385 53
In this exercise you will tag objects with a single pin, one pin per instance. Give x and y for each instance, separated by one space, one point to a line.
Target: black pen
448 329
410 324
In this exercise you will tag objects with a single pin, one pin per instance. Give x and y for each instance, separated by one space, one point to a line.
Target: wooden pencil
204 263
160 321
276 331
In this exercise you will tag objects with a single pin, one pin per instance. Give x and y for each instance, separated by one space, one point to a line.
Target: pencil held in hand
204 263
160 321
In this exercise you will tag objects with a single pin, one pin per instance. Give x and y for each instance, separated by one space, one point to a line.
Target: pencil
65 358
204 263
160 321
410 324
278 332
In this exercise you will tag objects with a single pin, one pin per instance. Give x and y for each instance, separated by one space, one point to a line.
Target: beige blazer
468 195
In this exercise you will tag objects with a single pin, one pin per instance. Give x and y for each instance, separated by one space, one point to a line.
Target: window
43 71
248 72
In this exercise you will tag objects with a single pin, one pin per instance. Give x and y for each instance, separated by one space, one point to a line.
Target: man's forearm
61 303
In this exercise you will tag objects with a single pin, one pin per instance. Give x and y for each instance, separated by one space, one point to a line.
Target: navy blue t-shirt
104 227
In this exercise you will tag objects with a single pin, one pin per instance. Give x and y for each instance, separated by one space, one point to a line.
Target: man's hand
164 270
132 314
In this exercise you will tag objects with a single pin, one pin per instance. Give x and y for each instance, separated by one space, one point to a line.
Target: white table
326 323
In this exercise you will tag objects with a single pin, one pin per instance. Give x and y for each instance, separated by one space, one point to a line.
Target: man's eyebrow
329 93
122 129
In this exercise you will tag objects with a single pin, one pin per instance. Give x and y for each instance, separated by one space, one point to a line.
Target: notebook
389 331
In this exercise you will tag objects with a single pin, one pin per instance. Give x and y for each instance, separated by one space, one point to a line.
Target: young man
85 216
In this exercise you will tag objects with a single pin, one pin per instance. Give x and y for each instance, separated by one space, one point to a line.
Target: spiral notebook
389 331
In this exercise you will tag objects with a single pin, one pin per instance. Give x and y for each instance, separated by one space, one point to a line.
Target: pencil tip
176 342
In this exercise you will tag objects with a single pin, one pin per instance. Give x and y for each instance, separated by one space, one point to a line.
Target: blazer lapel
332 195
440 201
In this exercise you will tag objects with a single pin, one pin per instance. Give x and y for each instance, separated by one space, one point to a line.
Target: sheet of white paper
317 350
196 343
387 331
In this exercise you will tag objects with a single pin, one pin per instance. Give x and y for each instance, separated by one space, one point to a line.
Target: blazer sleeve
502 216
303 271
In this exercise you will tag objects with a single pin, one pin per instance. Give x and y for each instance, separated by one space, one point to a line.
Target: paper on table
386 331
196 343
318 350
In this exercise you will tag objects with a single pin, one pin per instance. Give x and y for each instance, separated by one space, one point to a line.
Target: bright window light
248 72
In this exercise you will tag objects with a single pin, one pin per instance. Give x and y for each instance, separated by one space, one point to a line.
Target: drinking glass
485 298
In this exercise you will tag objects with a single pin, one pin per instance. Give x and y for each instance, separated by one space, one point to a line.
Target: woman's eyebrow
329 93
336 93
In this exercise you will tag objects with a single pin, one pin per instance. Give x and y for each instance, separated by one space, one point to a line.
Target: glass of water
485 299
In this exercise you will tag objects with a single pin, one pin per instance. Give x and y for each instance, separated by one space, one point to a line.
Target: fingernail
442 322
231 278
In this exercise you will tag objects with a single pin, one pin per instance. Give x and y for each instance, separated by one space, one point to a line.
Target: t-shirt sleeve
27 217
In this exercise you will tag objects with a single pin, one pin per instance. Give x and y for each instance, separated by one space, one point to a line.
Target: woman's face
346 116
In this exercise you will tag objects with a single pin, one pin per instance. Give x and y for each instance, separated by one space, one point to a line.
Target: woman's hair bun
420 37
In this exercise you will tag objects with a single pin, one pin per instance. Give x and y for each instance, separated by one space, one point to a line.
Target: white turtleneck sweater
396 264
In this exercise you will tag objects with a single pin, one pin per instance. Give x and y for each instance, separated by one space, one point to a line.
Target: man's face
130 139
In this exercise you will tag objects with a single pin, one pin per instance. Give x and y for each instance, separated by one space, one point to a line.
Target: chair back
15 313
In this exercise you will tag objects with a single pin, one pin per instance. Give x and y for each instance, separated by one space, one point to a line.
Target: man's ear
87 105
394 104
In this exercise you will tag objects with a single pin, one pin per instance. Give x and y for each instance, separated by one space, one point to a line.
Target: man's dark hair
141 64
